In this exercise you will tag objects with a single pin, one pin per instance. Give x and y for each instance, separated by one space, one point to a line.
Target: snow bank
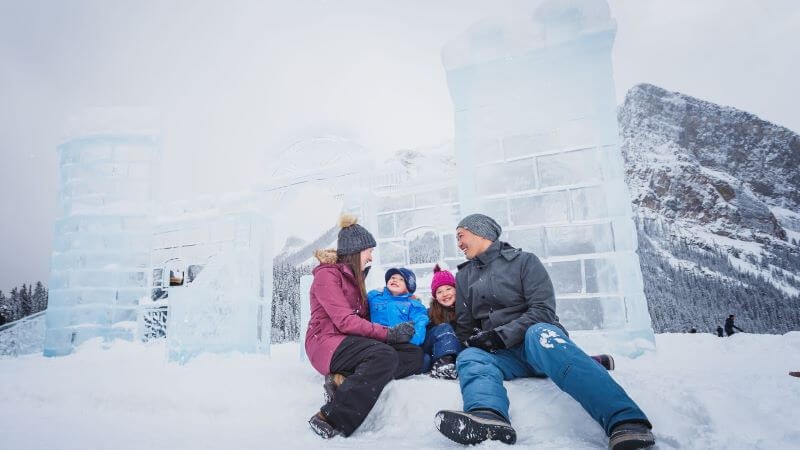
700 391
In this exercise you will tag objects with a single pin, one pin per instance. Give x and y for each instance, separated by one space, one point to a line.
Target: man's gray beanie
482 225
353 237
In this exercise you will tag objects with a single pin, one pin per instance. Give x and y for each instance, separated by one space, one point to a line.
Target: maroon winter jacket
337 310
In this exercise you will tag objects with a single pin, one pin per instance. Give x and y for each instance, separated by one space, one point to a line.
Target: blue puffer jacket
388 310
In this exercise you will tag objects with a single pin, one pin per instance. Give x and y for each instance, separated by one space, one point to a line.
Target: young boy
396 304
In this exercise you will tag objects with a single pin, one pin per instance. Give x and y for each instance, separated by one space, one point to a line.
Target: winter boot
445 368
475 426
605 360
795 374
631 436
319 424
332 382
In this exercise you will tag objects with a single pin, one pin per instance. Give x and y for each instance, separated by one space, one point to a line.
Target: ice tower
537 148
101 251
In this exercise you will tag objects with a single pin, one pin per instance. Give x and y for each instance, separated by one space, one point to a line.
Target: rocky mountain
717 194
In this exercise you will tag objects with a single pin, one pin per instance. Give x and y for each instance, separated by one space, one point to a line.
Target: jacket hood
326 255
327 259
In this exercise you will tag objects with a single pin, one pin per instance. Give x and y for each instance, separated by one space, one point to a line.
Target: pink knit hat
441 278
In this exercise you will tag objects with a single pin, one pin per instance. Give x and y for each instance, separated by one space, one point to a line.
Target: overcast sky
236 80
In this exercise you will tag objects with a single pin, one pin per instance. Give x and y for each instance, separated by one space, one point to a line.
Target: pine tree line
22 301
286 301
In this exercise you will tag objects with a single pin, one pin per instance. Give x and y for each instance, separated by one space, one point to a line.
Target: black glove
400 333
486 340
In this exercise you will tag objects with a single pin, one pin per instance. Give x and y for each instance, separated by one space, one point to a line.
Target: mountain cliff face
717 195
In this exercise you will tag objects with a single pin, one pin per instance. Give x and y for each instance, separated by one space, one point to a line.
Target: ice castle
535 147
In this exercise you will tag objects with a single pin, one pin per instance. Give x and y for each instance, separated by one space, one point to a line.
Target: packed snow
700 391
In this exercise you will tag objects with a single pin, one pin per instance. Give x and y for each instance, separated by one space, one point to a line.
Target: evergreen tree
39 297
14 305
3 308
286 301
26 302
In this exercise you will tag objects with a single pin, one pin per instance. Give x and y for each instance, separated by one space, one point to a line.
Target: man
729 326
505 314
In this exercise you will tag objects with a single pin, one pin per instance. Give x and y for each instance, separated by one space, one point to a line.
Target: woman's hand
400 333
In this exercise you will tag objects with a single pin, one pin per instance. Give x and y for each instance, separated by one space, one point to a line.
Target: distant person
506 316
719 331
357 357
692 330
729 325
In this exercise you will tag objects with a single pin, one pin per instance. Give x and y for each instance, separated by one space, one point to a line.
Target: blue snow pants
440 340
545 352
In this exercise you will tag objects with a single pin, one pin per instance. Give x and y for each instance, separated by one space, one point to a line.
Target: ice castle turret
101 251
537 148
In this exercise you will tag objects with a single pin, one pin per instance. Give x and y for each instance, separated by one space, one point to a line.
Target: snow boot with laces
332 382
605 360
445 368
319 424
474 427
631 436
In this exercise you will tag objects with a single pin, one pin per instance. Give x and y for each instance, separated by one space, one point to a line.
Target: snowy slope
717 194
700 391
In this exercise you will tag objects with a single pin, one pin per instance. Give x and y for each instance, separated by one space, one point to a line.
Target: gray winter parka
504 289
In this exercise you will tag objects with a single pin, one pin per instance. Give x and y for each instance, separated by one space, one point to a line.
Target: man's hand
486 340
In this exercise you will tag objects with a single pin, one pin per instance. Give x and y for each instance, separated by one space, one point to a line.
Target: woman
342 341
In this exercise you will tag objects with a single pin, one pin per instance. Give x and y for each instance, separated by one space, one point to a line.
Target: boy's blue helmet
408 277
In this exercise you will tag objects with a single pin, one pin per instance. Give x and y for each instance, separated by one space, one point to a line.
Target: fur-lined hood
326 255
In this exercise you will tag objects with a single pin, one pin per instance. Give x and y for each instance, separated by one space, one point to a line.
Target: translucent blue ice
537 149
101 250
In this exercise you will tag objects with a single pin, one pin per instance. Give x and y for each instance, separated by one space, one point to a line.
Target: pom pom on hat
347 220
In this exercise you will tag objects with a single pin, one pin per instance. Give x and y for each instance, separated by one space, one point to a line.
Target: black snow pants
369 365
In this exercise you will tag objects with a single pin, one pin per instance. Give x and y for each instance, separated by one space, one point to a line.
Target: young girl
441 344
342 340
395 304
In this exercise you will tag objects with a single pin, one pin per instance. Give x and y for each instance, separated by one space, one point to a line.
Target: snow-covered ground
699 390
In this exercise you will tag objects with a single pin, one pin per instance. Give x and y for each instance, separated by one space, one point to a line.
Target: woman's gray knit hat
482 225
353 237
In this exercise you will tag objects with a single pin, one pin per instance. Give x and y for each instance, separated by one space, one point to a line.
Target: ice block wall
537 149
101 250
414 225
225 306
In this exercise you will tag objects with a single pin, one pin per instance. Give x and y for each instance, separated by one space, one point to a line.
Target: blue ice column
101 250
537 148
